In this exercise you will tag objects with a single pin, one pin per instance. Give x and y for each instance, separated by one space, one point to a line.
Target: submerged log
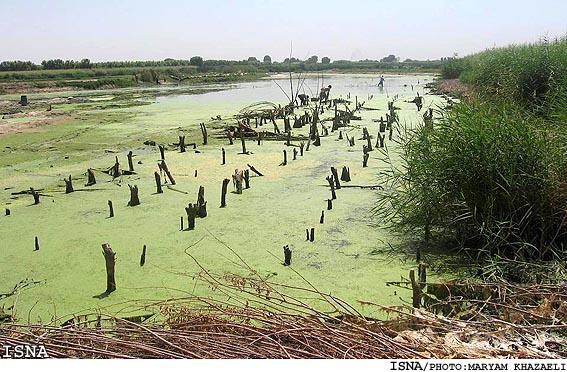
254 170
110 259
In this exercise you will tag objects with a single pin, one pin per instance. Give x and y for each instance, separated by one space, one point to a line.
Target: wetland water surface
346 259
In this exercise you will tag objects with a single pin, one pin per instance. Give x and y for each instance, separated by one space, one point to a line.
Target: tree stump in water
301 146
284 158
229 135
143 256
163 167
114 171
134 200
312 237
162 151
332 185
36 242
287 255
391 133
237 179
224 190
365 157
243 140
182 144
111 209
322 218
91 177
68 185
308 144
246 179
345 175
368 139
307 234
329 204
191 213
340 135
110 259
288 139
201 203
204 133
181 221
336 178
7 212
294 153
130 162
317 141
159 190
35 195
223 156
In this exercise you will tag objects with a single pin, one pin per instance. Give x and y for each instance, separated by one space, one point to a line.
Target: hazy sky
223 29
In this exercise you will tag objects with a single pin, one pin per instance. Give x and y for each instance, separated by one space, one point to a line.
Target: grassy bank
488 176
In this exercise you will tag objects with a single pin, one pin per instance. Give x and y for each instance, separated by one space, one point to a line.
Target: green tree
196 61
312 59
267 59
325 60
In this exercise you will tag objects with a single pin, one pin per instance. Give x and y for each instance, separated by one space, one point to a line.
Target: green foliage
325 60
196 61
490 174
452 68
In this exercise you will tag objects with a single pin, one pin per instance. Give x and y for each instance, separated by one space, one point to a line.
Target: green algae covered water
351 257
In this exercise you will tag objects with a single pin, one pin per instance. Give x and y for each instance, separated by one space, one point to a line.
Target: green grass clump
489 175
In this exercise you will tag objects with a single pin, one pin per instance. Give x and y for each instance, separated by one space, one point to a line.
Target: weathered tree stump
191 211
134 199
246 179
110 259
243 140
287 255
340 135
162 152
301 146
159 190
114 171
391 133
229 135
329 204
294 153
332 185
322 218
365 157
254 170
336 178
312 236
368 139
68 185
284 162
111 209
143 256
181 222
345 175
317 141
204 133
8 212
195 173
130 162
36 244
35 195
90 177
308 144
182 144
163 167
237 179
201 203
307 234
224 190
223 156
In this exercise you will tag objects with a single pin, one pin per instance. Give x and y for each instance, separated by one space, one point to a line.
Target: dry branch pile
259 319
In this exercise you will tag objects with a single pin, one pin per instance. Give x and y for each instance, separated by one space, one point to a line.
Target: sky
124 30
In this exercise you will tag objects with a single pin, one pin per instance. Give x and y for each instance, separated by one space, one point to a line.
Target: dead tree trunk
162 152
288 139
143 256
159 190
332 185
114 171
163 166
111 209
312 237
365 157
224 190
294 153
301 146
229 134
35 195
336 178
68 185
91 177
368 139
130 162
201 203
345 175
191 213
204 132
254 170
246 179
110 259
8 212
340 135
329 204
287 255
36 243
237 179
243 140
284 162
134 200
322 219
181 223
182 144
223 156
